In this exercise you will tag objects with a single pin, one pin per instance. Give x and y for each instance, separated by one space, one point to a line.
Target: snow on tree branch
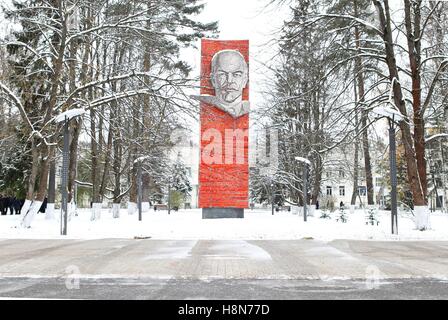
18 104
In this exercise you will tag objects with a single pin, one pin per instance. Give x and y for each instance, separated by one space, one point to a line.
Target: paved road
178 289
190 269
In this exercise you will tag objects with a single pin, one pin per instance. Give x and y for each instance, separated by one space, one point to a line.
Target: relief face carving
229 76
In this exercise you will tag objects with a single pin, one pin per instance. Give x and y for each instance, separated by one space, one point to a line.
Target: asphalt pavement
223 269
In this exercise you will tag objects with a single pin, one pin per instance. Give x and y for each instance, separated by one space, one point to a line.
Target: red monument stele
224 142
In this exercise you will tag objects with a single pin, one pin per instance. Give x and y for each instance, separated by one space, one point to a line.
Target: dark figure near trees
3 205
17 205
43 207
12 203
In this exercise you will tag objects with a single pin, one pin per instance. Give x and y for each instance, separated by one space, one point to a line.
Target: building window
378 181
329 191
361 174
342 190
341 173
362 191
328 174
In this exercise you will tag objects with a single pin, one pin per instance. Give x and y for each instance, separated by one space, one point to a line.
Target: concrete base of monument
222 213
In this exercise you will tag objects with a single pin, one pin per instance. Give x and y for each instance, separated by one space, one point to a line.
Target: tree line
117 60
337 62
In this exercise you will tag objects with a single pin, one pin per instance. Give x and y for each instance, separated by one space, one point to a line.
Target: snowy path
222 289
223 259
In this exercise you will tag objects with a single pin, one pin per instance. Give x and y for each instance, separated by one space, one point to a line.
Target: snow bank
257 224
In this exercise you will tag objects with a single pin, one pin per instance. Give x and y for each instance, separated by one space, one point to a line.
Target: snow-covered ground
257 224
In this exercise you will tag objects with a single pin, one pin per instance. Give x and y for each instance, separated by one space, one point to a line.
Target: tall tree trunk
94 155
118 154
132 175
103 181
413 37
356 152
117 141
317 160
95 174
75 126
355 175
116 167
3 128
317 179
34 169
146 179
415 184
49 212
58 63
73 159
134 154
364 117
95 131
44 170
52 180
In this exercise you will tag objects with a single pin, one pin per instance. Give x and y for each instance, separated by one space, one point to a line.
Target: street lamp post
393 117
305 191
66 117
306 164
169 196
139 190
393 177
64 179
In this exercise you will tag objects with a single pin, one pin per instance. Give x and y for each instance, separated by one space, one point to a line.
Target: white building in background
437 168
188 151
337 176
337 179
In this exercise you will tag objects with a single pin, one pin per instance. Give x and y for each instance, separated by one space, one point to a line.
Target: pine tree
342 215
324 214
299 101
180 181
372 217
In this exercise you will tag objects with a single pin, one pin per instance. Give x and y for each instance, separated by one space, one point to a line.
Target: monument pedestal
222 213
